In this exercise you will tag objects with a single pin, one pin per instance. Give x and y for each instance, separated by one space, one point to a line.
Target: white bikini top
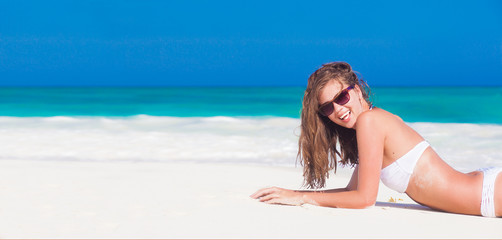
397 175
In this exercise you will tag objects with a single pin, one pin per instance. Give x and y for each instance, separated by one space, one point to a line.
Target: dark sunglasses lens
343 98
327 109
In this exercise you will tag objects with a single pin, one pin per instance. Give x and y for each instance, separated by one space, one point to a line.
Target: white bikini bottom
488 194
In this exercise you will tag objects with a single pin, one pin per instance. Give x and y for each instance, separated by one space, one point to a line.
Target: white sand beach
69 199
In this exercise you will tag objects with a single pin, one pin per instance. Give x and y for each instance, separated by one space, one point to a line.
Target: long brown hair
318 151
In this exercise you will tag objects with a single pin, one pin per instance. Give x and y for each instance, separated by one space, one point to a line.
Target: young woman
336 110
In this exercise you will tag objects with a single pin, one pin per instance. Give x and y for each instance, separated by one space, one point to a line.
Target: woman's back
432 178
436 184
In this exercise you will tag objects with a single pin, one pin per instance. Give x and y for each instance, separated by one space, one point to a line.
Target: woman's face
344 115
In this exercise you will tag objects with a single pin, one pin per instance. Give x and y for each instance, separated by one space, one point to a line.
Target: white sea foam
212 139
148 138
467 147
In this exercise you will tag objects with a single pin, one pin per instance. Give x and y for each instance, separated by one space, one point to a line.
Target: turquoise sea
413 104
226 124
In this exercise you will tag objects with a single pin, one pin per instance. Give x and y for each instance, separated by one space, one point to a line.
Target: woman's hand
275 195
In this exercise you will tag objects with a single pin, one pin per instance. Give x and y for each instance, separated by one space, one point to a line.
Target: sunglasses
341 99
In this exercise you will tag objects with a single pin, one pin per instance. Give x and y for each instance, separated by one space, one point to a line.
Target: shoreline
63 199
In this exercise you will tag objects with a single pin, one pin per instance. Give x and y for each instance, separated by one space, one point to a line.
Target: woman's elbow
367 201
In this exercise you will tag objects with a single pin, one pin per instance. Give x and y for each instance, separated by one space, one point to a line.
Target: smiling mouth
345 116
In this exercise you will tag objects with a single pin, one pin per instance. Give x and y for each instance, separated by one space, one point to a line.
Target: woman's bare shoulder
378 117
379 114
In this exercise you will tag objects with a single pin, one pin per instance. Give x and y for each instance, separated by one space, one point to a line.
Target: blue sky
248 43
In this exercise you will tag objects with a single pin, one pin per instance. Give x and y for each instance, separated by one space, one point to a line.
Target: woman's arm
352 185
362 189
292 197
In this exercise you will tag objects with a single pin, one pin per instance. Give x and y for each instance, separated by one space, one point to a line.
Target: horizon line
224 86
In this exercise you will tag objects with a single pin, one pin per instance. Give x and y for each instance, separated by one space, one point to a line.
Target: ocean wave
150 138
264 140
